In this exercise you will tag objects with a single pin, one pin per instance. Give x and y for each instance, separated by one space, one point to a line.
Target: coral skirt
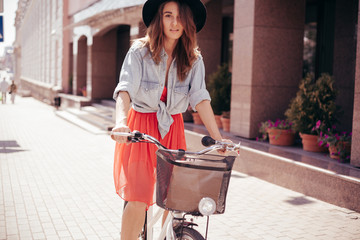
135 163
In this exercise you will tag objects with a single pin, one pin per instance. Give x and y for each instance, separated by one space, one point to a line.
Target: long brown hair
186 50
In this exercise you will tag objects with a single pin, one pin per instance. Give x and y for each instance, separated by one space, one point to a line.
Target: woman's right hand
120 128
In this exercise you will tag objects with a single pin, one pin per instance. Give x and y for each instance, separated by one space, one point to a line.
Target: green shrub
314 101
219 86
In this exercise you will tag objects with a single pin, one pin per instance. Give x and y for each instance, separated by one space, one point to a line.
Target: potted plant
195 116
279 132
315 100
187 115
225 121
83 91
219 86
339 146
339 143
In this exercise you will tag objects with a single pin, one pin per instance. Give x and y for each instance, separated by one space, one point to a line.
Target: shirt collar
163 53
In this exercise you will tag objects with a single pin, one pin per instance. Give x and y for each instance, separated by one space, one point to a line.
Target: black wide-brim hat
198 9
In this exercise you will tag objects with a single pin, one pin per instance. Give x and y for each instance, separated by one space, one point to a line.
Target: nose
175 21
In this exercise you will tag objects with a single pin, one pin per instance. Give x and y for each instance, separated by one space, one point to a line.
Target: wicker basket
183 180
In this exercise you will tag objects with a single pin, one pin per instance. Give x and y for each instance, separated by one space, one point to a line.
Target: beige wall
77 5
41 48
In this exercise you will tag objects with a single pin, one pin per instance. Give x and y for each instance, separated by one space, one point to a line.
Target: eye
167 14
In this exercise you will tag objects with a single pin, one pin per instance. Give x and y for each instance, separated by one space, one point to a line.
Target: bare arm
122 109
207 116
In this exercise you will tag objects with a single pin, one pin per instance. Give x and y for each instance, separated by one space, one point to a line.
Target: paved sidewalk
56 183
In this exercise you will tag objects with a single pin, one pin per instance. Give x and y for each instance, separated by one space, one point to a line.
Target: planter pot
281 137
196 118
225 124
187 116
218 121
84 93
310 143
333 151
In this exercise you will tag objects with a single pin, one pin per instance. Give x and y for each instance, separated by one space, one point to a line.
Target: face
173 28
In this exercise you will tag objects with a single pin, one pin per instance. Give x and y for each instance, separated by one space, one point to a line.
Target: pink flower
318 123
337 136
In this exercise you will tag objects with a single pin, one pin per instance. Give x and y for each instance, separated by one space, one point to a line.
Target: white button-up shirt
144 80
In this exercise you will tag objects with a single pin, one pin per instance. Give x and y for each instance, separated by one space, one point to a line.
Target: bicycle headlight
207 206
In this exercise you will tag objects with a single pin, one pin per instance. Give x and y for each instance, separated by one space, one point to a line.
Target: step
68 116
100 110
96 120
72 101
109 103
313 174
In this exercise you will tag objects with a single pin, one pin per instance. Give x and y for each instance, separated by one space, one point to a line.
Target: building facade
39 46
77 47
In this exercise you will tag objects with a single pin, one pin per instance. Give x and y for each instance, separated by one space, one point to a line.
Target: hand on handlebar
120 128
223 147
226 143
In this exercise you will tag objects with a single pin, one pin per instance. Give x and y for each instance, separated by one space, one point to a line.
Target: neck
169 46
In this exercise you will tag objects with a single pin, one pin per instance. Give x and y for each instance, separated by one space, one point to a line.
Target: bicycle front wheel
188 234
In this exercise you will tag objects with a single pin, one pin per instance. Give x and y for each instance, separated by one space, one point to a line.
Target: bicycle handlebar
207 141
136 136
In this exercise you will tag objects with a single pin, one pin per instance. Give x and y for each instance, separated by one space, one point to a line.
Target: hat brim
198 9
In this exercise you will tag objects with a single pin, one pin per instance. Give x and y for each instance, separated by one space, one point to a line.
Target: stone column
267 61
75 53
355 150
89 67
78 33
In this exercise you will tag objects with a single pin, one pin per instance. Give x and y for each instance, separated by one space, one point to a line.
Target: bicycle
207 174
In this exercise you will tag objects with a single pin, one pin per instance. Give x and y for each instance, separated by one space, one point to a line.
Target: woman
162 73
13 90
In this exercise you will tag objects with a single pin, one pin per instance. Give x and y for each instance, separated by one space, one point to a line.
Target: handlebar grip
207 141
124 134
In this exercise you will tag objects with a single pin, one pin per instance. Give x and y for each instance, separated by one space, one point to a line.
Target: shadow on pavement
10 146
299 201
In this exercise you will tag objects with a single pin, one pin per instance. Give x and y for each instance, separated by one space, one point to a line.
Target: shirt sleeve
198 90
130 74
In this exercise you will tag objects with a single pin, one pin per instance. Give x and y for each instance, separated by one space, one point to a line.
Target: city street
57 183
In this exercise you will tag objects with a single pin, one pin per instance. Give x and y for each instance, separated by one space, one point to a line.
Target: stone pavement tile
39 236
26 235
56 183
12 237
92 237
52 237
64 234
